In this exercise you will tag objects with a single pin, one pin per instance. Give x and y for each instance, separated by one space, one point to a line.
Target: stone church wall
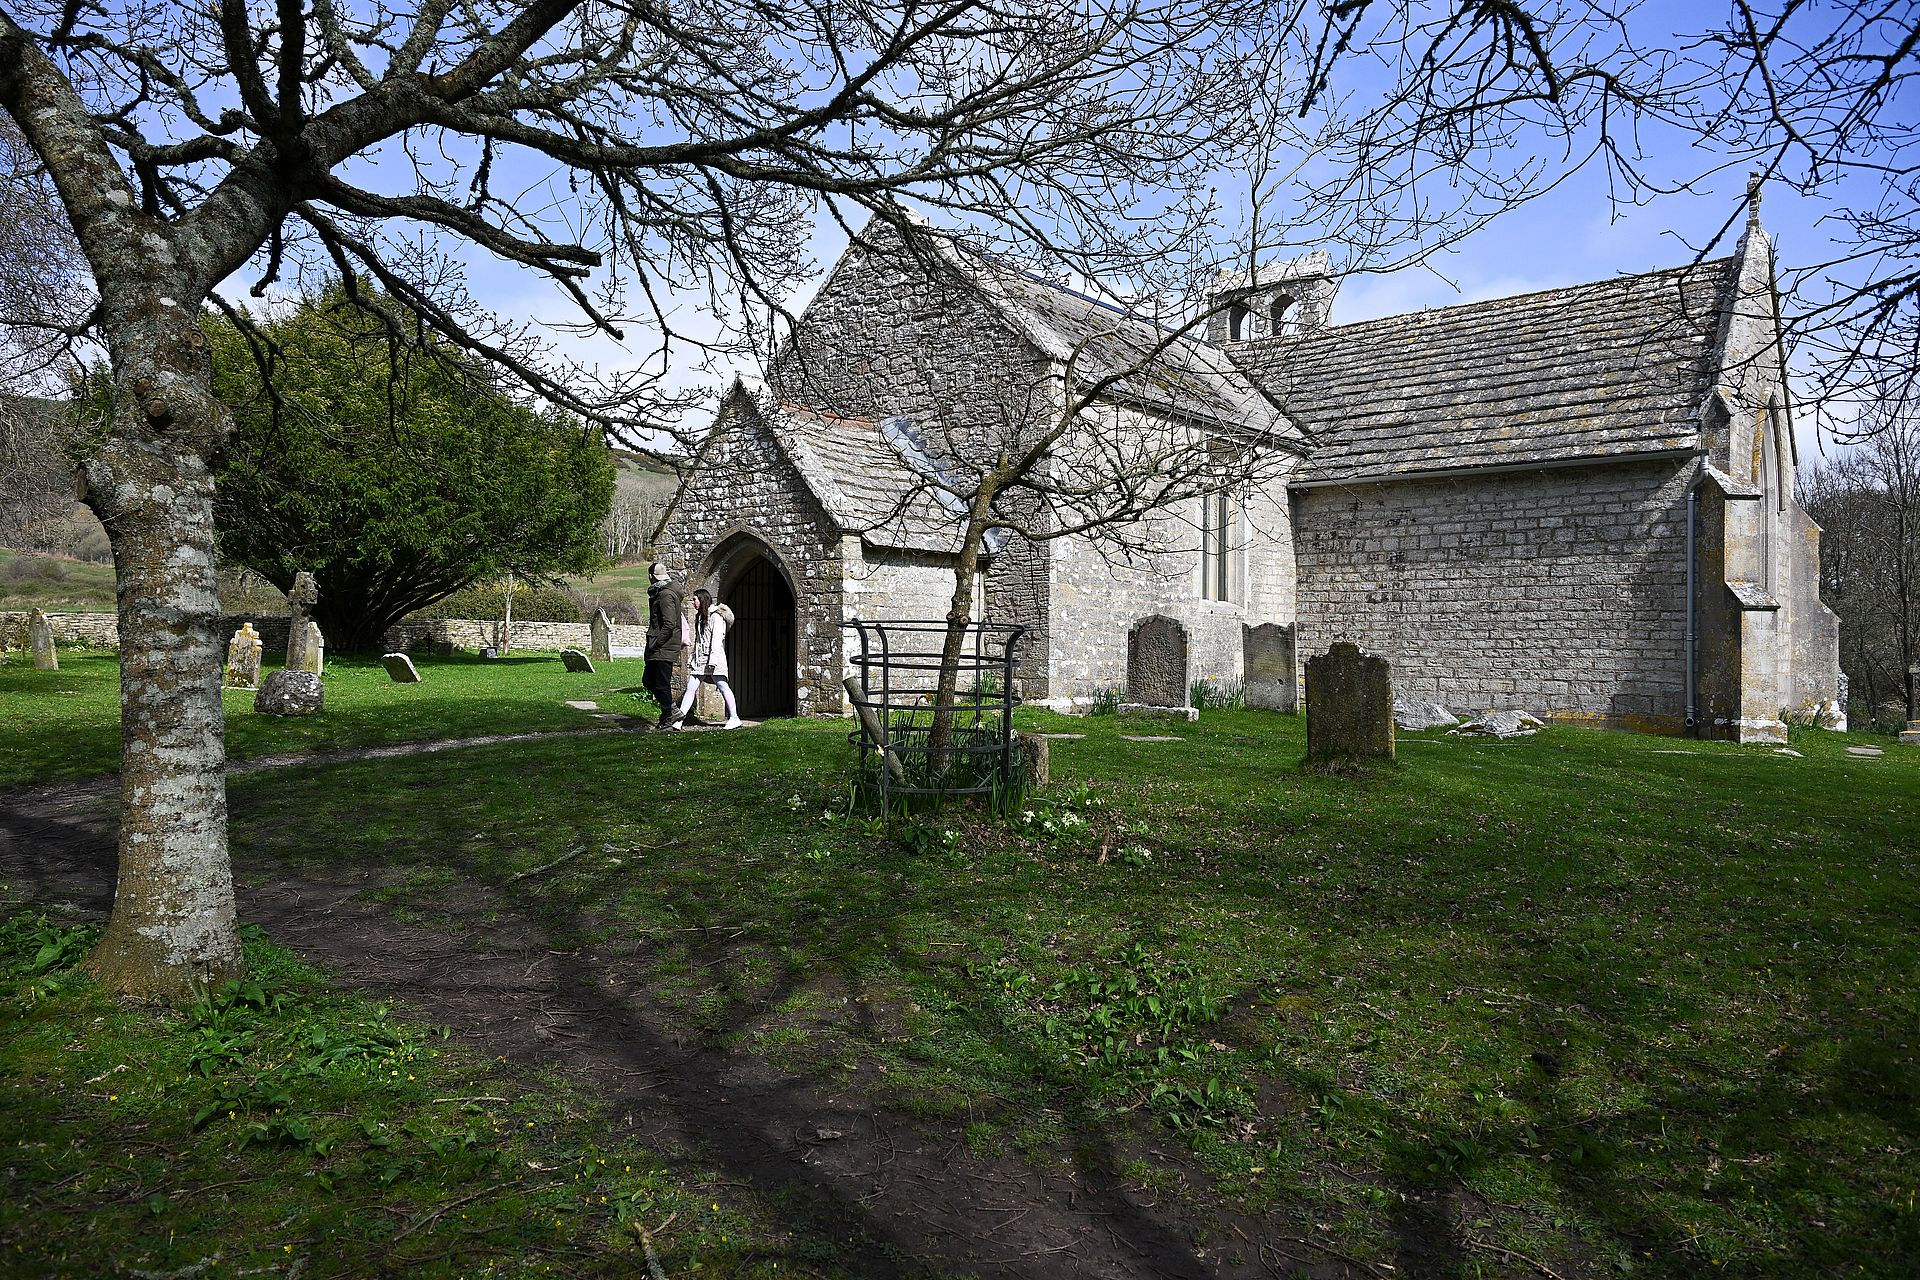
1558 591
745 485
880 339
1097 600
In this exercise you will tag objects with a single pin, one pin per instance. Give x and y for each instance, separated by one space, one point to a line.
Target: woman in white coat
707 656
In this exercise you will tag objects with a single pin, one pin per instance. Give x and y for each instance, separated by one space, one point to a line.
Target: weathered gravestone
290 693
302 653
1349 708
40 640
243 658
1157 669
601 647
1910 736
576 661
400 668
1269 681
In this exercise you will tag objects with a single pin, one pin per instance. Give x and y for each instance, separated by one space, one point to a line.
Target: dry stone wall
1560 592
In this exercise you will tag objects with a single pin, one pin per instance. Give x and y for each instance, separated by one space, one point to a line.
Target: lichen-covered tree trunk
959 613
173 928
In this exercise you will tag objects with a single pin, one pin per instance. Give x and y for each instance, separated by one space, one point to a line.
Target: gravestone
1269 681
290 693
1037 750
601 647
1909 736
1349 708
301 653
316 649
576 661
243 658
400 668
1157 669
40 640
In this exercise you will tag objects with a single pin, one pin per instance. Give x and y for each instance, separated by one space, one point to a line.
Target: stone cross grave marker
1157 668
576 661
400 668
601 648
1349 708
1269 682
243 658
301 654
40 640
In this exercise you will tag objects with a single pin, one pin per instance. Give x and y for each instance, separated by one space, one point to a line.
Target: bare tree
43 277
1867 501
190 142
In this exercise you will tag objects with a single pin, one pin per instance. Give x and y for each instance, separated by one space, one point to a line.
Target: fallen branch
1514 1255
568 856
445 1208
646 1245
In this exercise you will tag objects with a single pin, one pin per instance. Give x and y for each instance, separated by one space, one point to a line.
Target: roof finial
1755 181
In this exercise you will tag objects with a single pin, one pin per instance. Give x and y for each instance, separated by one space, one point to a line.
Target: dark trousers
657 680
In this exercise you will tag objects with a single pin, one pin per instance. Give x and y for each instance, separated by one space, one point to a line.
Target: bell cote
1272 300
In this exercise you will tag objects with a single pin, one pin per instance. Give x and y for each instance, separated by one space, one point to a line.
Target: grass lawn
66 723
281 1127
1584 1003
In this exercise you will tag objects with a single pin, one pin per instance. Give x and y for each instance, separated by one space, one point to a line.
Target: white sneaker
735 723
679 725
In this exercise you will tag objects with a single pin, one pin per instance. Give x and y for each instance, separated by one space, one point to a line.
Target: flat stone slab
579 704
1865 751
1061 737
1788 751
1189 714
1149 737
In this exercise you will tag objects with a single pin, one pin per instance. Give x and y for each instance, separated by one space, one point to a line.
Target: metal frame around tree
898 669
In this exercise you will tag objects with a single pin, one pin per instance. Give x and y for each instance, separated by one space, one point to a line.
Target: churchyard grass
1613 1003
65 724
1606 1003
282 1127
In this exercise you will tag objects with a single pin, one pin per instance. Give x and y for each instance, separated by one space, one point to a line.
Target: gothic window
1216 546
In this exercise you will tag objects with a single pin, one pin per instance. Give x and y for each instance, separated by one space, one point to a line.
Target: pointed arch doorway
760 646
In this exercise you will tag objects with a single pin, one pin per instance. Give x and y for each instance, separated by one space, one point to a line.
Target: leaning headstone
1157 670
304 594
243 658
1268 656
40 640
600 650
290 693
576 661
1349 708
400 667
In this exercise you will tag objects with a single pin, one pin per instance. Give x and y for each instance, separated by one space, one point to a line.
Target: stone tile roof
1611 369
1190 378
866 486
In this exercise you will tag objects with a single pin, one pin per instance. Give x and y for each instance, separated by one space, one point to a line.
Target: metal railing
896 677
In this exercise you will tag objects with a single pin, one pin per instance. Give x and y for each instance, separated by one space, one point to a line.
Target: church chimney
1273 300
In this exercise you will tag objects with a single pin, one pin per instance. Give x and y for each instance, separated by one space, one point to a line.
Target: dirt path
894 1195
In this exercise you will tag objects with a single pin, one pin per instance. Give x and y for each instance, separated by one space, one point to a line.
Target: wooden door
760 645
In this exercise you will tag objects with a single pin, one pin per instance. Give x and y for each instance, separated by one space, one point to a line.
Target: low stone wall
102 631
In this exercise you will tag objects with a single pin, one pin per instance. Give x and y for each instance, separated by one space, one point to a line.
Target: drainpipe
1693 506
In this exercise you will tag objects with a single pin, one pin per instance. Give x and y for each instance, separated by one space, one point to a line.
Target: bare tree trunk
959 613
173 928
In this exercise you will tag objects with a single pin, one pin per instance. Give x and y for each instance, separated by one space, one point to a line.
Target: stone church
1577 503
